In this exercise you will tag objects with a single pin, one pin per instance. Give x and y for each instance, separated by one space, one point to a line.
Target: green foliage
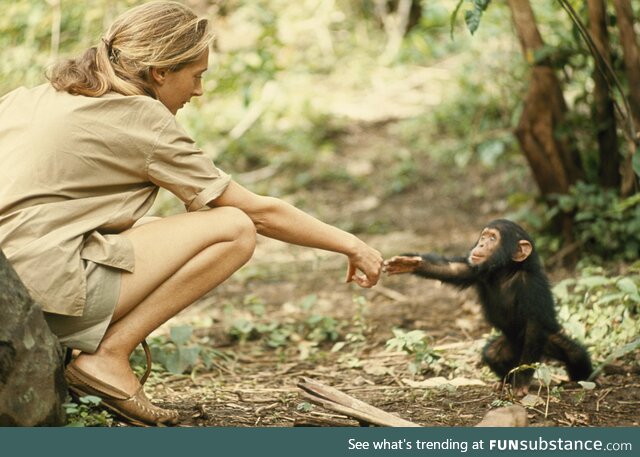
430 39
184 356
87 413
295 148
415 343
635 162
304 407
359 326
601 310
606 226
471 128
620 352
404 174
28 40
178 353
471 17
312 327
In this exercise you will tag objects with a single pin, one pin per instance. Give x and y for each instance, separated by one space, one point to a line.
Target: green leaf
587 385
75 424
544 374
625 349
472 19
627 286
181 360
90 400
619 352
308 302
635 161
610 298
181 335
490 151
414 336
561 290
599 332
593 281
189 355
71 410
304 407
394 344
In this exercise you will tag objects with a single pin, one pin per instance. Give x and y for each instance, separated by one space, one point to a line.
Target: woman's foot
136 408
110 377
110 369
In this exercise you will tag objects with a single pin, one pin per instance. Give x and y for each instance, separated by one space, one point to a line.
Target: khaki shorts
85 332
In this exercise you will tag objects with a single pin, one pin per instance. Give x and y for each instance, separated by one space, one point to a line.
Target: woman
83 158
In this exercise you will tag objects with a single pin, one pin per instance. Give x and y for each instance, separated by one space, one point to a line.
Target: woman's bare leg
178 259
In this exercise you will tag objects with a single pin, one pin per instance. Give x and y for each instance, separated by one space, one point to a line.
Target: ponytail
159 34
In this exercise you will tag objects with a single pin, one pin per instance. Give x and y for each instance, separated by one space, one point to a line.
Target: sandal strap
147 353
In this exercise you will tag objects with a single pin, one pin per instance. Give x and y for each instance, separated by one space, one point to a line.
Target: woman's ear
524 250
158 75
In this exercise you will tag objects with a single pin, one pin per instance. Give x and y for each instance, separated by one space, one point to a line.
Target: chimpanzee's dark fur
516 299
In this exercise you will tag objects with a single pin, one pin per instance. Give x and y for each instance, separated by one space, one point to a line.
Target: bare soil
255 385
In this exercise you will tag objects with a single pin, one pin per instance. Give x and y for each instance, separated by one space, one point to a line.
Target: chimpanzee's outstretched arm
455 271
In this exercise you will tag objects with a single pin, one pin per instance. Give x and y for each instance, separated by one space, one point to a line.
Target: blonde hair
159 34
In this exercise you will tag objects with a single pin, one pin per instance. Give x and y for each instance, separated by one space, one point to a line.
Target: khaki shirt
75 172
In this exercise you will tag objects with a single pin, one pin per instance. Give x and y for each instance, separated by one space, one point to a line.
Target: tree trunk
32 386
603 110
631 55
554 161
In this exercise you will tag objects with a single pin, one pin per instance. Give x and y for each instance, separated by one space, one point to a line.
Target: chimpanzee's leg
500 355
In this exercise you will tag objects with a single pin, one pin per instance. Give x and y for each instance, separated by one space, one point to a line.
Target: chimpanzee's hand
401 264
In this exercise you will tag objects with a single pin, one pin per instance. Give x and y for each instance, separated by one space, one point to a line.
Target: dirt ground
255 385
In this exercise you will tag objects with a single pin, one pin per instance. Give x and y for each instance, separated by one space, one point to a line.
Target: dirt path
336 333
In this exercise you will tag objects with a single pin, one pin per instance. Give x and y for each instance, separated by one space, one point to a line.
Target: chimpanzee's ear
524 250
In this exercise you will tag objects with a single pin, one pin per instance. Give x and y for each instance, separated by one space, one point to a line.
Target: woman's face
175 88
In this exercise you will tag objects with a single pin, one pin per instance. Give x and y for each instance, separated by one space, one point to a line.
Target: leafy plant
605 225
601 310
86 413
311 328
415 343
404 174
471 17
543 374
359 325
304 407
185 355
322 328
178 353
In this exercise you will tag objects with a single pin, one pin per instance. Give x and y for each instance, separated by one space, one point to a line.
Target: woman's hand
369 262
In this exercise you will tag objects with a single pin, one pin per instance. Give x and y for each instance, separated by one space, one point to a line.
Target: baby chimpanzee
515 297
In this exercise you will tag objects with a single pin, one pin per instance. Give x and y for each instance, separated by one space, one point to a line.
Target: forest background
409 123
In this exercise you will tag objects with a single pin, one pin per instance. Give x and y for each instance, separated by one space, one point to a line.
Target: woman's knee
241 228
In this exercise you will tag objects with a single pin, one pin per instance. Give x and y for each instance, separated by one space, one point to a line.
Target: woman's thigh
162 246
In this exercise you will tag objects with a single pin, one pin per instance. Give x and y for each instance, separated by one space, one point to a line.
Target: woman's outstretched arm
278 219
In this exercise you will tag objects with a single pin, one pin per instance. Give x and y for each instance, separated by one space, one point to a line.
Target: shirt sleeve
177 165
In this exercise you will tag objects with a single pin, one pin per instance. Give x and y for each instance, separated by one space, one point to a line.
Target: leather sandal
136 409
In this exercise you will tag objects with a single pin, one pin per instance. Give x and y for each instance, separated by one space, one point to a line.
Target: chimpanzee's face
486 246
